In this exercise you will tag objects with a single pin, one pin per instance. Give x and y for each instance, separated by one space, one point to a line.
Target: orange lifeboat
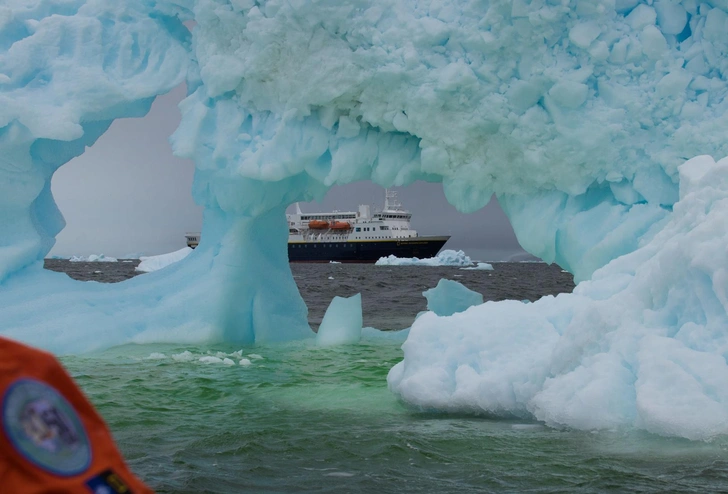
340 225
318 224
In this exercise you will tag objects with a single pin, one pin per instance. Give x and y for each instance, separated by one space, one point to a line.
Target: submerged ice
576 114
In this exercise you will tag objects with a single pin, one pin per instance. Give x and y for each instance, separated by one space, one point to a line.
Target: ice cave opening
127 195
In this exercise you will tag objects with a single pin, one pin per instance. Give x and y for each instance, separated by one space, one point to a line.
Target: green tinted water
305 419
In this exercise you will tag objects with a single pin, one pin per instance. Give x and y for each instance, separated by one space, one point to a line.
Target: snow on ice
155 263
444 258
579 116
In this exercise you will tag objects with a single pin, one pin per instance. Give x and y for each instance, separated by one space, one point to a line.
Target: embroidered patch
45 429
107 482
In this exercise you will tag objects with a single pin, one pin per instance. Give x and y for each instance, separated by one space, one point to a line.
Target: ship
354 236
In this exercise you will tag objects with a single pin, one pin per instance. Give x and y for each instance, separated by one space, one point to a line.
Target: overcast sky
128 196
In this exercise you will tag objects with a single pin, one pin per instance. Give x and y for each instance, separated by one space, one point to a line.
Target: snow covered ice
444 258
155 263
93 258
577 115
642 344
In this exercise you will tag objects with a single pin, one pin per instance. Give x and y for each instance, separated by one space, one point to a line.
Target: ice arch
577 114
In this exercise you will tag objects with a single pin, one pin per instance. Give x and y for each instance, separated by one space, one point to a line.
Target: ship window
358 229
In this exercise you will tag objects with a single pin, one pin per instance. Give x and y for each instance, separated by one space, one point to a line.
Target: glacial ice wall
577 114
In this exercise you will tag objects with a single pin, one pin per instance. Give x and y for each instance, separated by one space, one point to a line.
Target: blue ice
599 125
449 297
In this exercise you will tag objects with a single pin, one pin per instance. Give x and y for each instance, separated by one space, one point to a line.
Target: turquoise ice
578 115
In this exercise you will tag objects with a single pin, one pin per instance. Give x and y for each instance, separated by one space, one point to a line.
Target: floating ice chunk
444 258
342 322
449 297
156 356
245 362
185 356
155 263
481 266
255 356
227 361
93 258
209 359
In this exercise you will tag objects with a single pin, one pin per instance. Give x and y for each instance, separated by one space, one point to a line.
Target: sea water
300 418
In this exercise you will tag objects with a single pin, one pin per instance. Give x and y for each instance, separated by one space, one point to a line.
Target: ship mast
390 201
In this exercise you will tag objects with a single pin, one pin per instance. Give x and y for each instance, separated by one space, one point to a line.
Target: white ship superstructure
392 222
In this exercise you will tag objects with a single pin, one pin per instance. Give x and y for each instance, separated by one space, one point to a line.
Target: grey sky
128 196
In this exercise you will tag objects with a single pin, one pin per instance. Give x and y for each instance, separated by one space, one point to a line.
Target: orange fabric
20 364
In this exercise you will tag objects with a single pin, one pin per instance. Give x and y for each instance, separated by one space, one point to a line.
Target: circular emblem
45 429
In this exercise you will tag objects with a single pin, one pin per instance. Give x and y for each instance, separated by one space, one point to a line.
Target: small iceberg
155 263
450 297
444 258
481 266
342 322
93 258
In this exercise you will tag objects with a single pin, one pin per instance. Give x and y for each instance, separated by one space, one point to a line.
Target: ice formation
642 344
444 258
481 266
93 258
155 263
342 322
577 114
450 297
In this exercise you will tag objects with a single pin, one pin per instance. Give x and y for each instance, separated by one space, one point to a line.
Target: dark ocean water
391 295
304 419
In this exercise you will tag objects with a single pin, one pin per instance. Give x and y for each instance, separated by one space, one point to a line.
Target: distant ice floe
93 258
481 266
444 258
155 263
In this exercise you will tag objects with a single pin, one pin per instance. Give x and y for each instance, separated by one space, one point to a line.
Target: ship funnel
364 212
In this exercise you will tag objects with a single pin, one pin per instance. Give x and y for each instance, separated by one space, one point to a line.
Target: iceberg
640 345
93 258
597 125
480 266
450 297
342 322
444 258
155 263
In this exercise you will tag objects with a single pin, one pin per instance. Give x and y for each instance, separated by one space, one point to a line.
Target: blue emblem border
18 448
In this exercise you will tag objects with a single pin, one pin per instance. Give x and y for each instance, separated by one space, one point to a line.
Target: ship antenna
390 200
298 208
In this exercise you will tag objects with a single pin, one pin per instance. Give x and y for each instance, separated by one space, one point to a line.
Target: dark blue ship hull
365 250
